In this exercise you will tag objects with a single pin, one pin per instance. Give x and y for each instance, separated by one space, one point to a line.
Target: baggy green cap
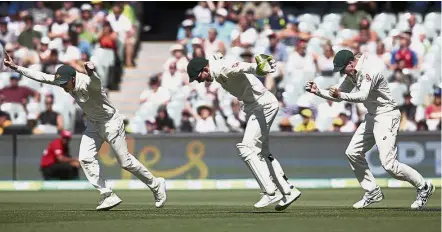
341 60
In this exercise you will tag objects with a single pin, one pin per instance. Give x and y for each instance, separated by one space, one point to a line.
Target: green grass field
321 210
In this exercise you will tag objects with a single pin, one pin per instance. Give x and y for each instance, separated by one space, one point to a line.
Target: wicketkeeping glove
265 64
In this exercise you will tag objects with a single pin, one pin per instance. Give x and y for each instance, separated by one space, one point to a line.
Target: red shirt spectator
56 148
17 94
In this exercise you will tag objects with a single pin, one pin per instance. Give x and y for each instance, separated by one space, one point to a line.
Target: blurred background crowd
303 42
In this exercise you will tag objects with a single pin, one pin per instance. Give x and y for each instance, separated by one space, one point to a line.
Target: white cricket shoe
267 199
288 199
159 193
369 198
423 195
108 201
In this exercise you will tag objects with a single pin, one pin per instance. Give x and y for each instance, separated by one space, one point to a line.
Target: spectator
70 54
185 125
275 48
408 108
347 124
178 57
151 127
6 35
404 53
213 45
223 27
56 162
49 116
299 59
5 121
382 54
244 35
18 94
70 12
324 62
352 18
308 124
108 38
41 14
204 121
124 28
156 94
172 80
164 123
277 20
202 12
29 38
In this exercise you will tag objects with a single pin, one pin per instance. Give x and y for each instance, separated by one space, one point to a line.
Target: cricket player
260 107
103 123
380 126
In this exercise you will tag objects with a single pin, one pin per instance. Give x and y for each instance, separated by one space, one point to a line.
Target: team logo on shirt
367 77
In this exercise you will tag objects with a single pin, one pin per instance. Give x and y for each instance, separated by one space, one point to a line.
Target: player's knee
245 151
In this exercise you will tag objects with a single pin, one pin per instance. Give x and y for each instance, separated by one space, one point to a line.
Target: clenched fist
311 87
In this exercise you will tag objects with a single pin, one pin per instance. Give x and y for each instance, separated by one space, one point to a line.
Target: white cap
45 40
197 41
176 47
222 12
187 23
86 7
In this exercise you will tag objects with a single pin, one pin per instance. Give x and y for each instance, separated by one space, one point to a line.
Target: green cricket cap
63 74
195 66
341 60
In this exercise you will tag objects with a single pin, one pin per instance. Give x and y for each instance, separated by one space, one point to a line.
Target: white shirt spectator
202 15
121 25
249 36
159 97
205 126
71 53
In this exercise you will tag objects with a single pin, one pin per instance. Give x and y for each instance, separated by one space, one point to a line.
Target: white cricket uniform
103 123
260 107
380 126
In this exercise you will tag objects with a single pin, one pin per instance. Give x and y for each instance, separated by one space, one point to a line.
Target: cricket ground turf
322 210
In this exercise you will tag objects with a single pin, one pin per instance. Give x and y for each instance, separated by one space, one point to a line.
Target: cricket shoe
108 201
159 193
423 195
369 198
267 199
288 199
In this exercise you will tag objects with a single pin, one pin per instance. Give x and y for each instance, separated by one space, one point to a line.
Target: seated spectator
151 127
56 162
155 94
6 35
324 62
347 124
213 45
433 113
29 38
186 125
276 48
18 94
408 108
108 38
164 123
404 53
41 14
5 121
70 54
352 18
223 27
70 12
172 80
244 35
277 20
204 121
178 57
308 124
49 116
126 34
299 59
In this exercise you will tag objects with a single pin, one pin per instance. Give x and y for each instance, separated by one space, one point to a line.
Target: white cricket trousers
111 131
254 148
380 130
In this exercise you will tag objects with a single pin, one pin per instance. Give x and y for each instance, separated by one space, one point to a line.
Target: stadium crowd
44 37
407 44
